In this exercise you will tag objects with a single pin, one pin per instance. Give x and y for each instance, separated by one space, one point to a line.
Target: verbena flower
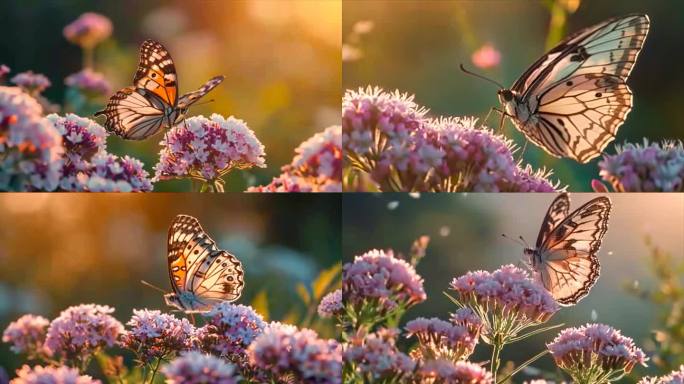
378 285
51 375
229 330
111 173
26 335
506 300
674 377
32 83
197 368
89 82
331 304
299 355
81 331
207 149
654 167
88 30
448 372
4 70
375 357
82 137
30 147
439 339
154 335
595 353
465 317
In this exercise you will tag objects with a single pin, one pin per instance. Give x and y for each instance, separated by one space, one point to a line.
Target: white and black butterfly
202 275
564 259
572 100
140 111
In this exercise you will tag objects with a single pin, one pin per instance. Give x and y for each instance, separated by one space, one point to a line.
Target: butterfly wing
156 72
201 274
558 210
578 88
133 114
569 266
190 98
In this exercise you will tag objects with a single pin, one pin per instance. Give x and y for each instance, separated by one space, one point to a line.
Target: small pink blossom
89 82
154 335
331 304
88 30
26 334
51 375
486 57
196 368
32 83
674 377
377 358
439 339
447 372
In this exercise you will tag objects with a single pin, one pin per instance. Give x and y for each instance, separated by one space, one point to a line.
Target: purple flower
88 30
331 304
439 339
32 83
649 168
376 357
674 377
51 375
4 70
82 138
111 173
465 317
154 335
299 354
506 300
80 331
377 284
447 372
26 334
289 183
595 353
207 149
89 82
30 147
197 368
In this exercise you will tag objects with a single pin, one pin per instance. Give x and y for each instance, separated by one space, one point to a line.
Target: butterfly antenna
153 286
512 239
204 102
524 241
480 76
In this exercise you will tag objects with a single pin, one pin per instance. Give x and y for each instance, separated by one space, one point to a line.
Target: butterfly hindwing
156 72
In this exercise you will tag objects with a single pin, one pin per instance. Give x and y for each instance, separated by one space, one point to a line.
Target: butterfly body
573 99
152 103
564 259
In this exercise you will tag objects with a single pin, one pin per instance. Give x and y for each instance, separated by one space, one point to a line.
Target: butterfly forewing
156 72
558 210
191 97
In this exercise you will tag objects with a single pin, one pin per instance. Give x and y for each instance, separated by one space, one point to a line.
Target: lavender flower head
82 137
154 335
447 372
331 304
197 368
80 331
32 83
51 375
207 149
89 82
377 284
111 173
439 339
674 377
30 147
506 300
376 357
26 334
595 353
88 30
4 70
297 354
645 168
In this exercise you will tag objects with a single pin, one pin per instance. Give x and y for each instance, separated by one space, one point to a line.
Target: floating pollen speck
444 231
392 205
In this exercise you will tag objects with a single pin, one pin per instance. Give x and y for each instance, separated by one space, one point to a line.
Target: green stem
523 365
154 372
88 54
496 351
536 332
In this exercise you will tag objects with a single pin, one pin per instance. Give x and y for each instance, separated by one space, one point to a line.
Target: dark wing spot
569 83
561 122
598 94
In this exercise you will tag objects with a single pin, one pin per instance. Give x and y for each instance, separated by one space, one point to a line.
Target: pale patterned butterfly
142 110
202 275
565 258
572 100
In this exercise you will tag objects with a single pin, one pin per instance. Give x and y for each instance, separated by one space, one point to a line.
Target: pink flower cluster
207 149
51 375
388 136
377 284
26 334
197 368
80 331
507 293
31 83
376 357
448 372
649 168
594 352
300 354
331 304
88 30
89 82
674 377
316 167
82 138
154 335
439 339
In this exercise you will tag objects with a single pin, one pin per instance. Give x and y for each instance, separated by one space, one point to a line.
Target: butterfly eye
506 94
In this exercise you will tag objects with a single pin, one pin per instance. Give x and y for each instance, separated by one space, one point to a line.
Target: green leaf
303 293
324 280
